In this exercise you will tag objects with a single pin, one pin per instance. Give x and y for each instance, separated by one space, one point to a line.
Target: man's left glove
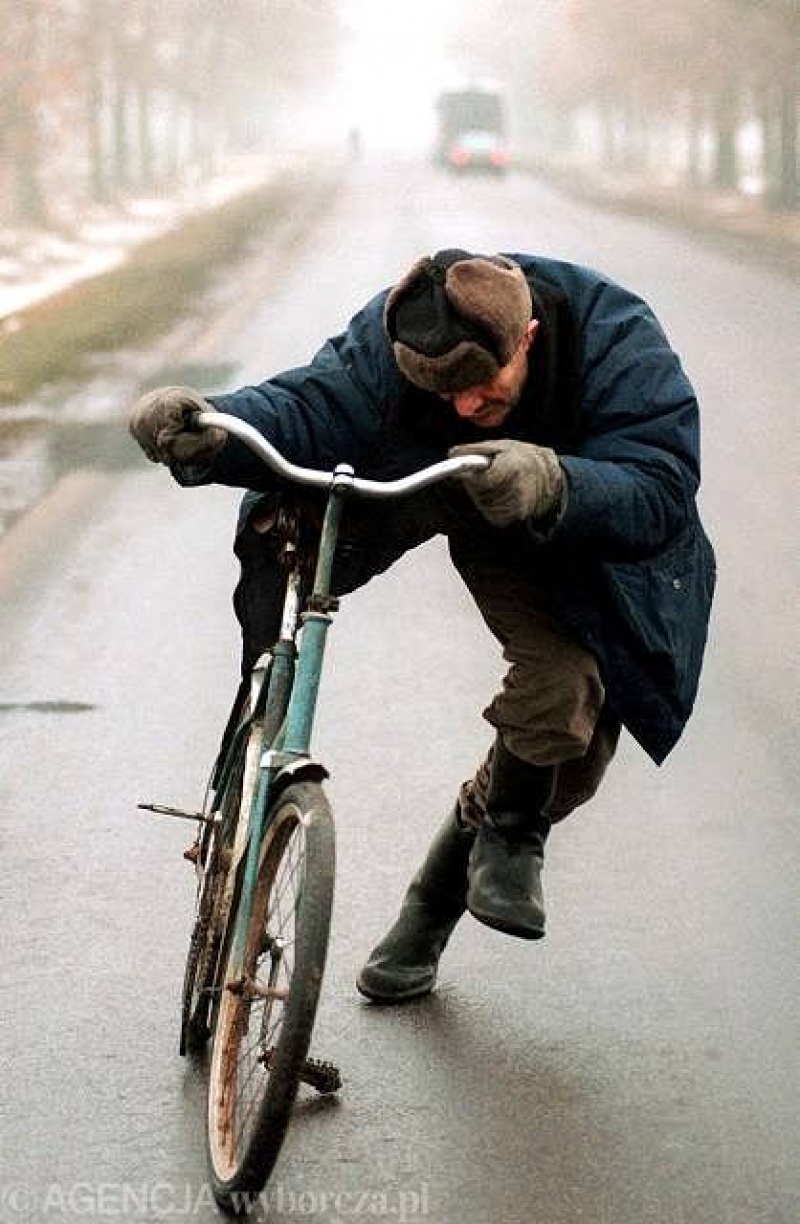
522 481
160 424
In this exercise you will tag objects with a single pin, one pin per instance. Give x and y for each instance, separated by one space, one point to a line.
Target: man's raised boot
403 966
505 865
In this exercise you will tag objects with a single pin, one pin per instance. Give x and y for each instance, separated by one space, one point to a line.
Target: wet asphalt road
638 1065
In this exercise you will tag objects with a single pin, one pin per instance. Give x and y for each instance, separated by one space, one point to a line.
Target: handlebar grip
191 420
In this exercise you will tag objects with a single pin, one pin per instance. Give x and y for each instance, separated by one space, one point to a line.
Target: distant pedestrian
354 143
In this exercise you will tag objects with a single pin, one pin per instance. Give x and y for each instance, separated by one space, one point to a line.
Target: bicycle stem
316 622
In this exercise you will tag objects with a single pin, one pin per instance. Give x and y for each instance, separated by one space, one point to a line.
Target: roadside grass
139 300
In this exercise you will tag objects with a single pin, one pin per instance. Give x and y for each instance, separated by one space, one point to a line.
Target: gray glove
523 481
159 423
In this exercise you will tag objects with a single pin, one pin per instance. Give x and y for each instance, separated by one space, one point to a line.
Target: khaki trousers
551 707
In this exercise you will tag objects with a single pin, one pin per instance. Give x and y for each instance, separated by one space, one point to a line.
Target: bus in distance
471 128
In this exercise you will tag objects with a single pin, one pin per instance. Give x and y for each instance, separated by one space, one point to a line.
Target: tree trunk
787 187
696 129
608 133
95 103
29 201
121 139
146 173
725 174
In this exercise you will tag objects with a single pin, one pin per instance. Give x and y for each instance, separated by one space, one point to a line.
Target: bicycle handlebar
343 476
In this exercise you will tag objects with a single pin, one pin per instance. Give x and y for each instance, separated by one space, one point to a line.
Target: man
580 542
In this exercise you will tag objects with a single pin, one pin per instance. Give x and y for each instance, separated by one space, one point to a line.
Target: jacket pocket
665 603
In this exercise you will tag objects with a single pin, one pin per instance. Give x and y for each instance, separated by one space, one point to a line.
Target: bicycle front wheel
267 1009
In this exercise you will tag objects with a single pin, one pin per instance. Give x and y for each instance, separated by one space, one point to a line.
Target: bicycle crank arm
254 990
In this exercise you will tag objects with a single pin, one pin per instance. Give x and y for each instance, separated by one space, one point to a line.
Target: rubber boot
505 886
403 966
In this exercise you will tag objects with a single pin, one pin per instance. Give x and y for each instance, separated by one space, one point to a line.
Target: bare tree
775 67
131 96
21 30
648 70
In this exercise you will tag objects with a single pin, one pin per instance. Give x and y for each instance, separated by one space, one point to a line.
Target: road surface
640 1064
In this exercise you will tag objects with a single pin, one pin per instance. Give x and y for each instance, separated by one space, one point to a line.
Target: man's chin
492 417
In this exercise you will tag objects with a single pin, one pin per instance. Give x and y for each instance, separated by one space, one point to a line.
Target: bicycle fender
301 770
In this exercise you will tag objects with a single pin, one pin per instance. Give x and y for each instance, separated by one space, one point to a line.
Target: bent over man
580 542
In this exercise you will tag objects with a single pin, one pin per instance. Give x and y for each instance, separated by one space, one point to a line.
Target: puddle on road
40 443
46 707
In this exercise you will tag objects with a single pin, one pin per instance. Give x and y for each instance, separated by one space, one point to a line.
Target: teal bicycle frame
299 680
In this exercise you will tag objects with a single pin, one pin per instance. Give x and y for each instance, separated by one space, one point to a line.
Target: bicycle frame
293 681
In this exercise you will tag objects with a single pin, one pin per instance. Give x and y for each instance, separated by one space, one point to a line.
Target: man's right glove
160 424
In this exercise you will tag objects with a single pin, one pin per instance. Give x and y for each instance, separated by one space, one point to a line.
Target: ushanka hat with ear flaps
455 318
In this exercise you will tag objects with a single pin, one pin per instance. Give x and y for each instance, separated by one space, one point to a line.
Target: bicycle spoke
261 1019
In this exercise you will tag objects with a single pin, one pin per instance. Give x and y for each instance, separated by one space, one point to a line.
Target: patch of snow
35 265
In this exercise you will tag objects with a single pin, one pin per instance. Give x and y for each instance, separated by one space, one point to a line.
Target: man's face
490 403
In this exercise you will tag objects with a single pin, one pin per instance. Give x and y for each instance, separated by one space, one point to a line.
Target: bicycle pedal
163 809
324 1076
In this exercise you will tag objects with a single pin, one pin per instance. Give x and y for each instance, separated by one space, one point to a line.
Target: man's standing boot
403 965
505 887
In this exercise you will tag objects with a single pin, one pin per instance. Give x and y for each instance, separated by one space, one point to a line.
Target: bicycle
265 851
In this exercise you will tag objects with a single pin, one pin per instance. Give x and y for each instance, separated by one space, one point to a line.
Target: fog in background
101 100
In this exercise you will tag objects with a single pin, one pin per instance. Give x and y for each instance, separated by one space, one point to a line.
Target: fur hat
455 318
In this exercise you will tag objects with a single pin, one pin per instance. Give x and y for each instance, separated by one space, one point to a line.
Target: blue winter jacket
631 570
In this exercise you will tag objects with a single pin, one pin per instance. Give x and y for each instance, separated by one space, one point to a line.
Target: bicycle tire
217 852
261 1041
